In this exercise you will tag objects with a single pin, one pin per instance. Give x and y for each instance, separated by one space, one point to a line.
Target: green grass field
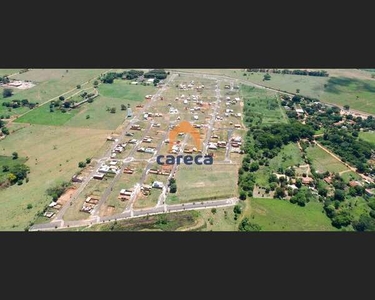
323 162
100 118
50 83
10 162
263 105
51 160
8 71
280 215
201 183
368 136
289 156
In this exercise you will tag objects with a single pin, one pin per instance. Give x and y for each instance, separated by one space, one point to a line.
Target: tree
12 178
342 219
67 104
7 93
173 188
254 167
267 77
15 155
88 160
273 178
297 91
242 195
81 164
29 206
87 117
365 223
339 195
237 209
346 107
113 110
61 98
247 226
78 86
123 107
5 130
96 83
322 191
5 168
279 193
213 210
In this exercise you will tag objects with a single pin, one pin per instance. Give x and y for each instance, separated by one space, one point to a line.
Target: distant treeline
133 74
321 73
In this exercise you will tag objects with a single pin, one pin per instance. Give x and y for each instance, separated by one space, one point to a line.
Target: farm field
323 162
50 160
280 215
201 183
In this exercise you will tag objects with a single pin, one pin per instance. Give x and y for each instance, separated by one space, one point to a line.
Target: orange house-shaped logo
185 127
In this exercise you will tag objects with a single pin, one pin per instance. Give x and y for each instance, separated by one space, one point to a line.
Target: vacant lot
323 162
51 161
201 183
280 215
167 222
262 107
122 89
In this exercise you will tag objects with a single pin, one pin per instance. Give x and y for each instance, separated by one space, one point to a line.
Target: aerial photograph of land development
187 150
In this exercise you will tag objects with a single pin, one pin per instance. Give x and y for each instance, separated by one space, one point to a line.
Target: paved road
137 214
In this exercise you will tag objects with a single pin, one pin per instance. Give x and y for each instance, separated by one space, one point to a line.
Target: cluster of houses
148 115
105 169
190 86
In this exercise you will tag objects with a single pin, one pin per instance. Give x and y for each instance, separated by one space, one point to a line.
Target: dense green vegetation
56 191
321 73
13 170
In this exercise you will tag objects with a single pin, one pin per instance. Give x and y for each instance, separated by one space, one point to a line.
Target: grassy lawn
289 156
348 176
51 160
323 162
10 162
368 136
280 215
122 89
200 183
43 116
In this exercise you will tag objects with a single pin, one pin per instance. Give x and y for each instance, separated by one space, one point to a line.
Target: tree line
321 73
